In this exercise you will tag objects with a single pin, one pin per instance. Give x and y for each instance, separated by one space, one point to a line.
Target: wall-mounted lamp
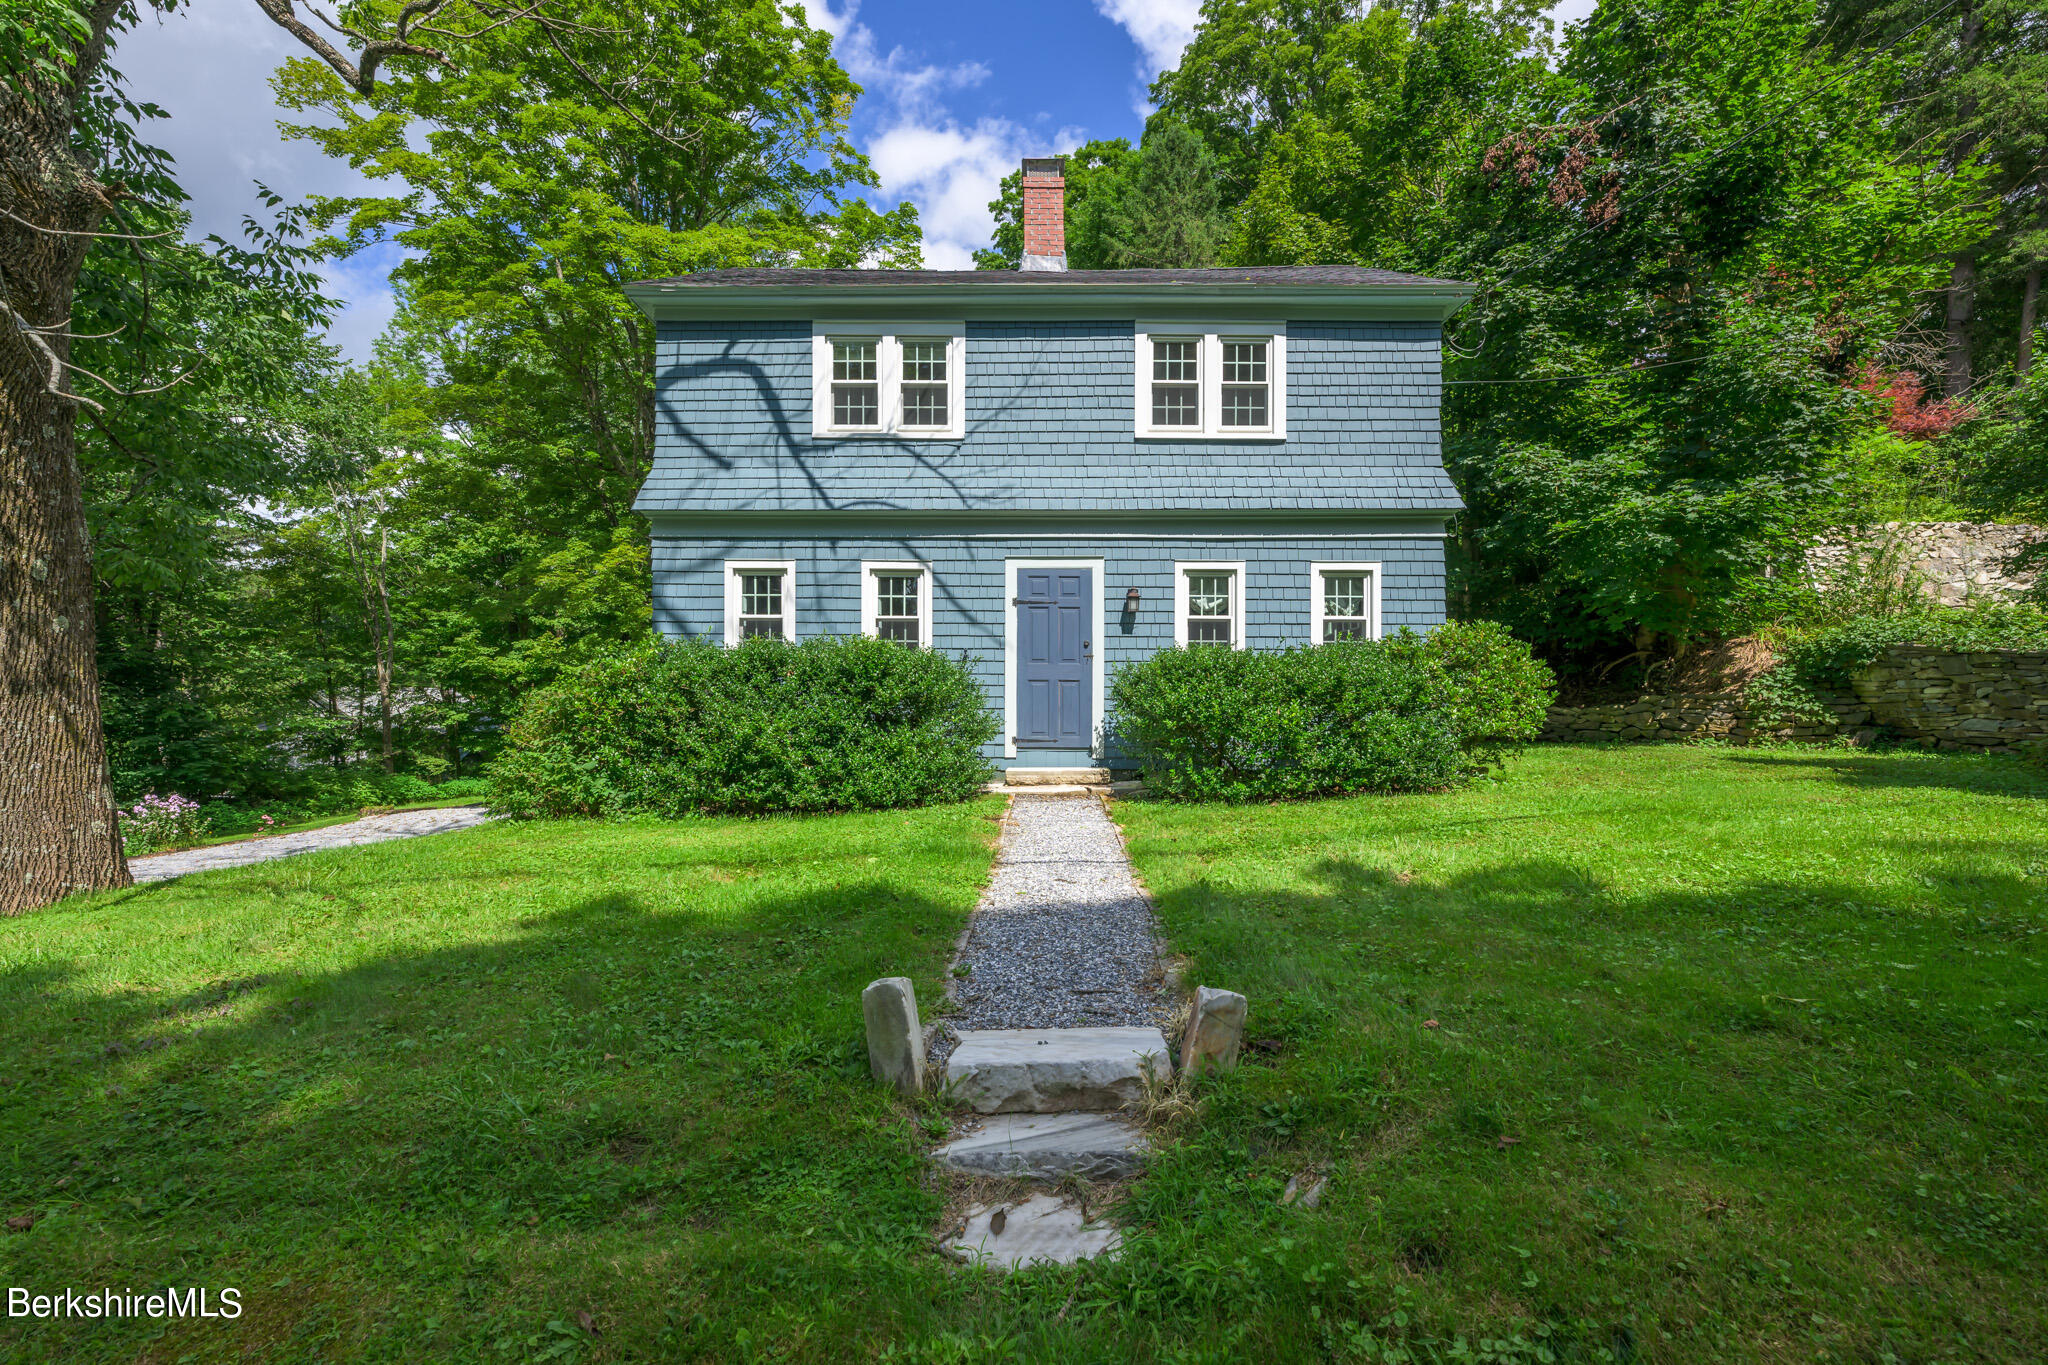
1131 601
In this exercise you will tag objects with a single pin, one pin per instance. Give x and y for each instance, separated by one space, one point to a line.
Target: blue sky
956 94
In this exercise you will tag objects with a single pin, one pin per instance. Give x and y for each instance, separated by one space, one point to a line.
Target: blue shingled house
1055 471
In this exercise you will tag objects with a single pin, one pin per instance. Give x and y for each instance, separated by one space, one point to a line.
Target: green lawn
1737 1055
436 1099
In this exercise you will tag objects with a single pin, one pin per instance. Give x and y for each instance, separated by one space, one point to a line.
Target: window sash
926 383
1347 606
1210 619
1177 382
898 608
761 604
856 383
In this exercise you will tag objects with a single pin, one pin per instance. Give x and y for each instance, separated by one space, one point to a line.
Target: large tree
680 78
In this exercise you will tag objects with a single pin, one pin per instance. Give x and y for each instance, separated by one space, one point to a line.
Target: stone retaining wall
1723 715
1994 701
1954 561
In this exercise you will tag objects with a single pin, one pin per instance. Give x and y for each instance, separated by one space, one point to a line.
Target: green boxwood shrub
666 729
1408 713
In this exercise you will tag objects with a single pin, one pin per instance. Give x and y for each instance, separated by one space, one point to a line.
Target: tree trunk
58 830
2024 360
1962 303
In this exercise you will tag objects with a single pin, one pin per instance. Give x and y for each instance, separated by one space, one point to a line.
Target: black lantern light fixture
1131 602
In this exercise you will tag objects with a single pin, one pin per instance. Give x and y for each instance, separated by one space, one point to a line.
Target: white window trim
733 569
889 376
870 596
1212 335
1181 569
1095 700
1315 597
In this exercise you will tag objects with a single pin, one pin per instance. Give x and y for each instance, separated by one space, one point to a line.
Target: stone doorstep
1056 777
1054 1071
1047 1147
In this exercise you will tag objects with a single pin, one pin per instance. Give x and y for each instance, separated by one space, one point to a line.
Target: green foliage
157 822
1817 662
1404 714
1159 208
845 723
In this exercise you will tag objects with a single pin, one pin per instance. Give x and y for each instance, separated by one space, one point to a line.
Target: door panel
1055 657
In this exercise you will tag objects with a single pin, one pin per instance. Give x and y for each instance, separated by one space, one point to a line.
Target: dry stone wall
1956 562
1995 701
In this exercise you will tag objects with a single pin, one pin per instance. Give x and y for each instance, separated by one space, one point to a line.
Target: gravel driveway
371 829
1063 937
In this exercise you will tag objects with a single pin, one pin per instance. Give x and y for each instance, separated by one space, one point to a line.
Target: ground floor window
1209 604
760 599
1344 602
896 602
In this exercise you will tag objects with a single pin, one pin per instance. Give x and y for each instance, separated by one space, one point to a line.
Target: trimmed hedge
671 729
1408 713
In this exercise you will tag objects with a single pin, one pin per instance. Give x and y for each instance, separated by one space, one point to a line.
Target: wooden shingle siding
970 595
1049 428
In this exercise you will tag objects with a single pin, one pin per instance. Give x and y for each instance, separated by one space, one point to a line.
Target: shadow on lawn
607 1066
1990 774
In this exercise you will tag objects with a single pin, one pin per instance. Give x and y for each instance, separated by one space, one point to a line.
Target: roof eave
677 302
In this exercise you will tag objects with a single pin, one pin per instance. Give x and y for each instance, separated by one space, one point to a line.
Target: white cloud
209 65
820 15
921 151
1162 29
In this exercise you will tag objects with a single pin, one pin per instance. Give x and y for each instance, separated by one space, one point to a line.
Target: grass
439 1099
1661 1054
1675 1054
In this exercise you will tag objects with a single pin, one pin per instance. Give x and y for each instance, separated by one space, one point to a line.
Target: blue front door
1055 657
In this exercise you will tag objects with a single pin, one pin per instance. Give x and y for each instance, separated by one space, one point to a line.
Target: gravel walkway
371 829
1063 937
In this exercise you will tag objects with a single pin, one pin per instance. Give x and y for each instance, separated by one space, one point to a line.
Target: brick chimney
1045 213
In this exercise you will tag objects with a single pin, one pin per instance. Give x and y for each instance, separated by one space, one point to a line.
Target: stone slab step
1047 1147
1056 777
1043 1230
1055 1070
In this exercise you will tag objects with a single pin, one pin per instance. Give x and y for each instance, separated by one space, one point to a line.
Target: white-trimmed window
1209 604
1344 602
896 601
1221 383
760 599
888 379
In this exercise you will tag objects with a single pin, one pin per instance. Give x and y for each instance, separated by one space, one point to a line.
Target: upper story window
883 379
1209 607
760 599
896 602
1211 384
1344 602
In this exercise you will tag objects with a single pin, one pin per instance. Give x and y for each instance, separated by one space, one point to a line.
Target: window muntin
1244 384
760 599
897 614
1209 614
1177 382
925 382
761 604
1208 603
1343 601
870 378
1347 613
856 384
1223 384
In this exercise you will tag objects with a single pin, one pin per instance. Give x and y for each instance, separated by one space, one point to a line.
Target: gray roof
1275 276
